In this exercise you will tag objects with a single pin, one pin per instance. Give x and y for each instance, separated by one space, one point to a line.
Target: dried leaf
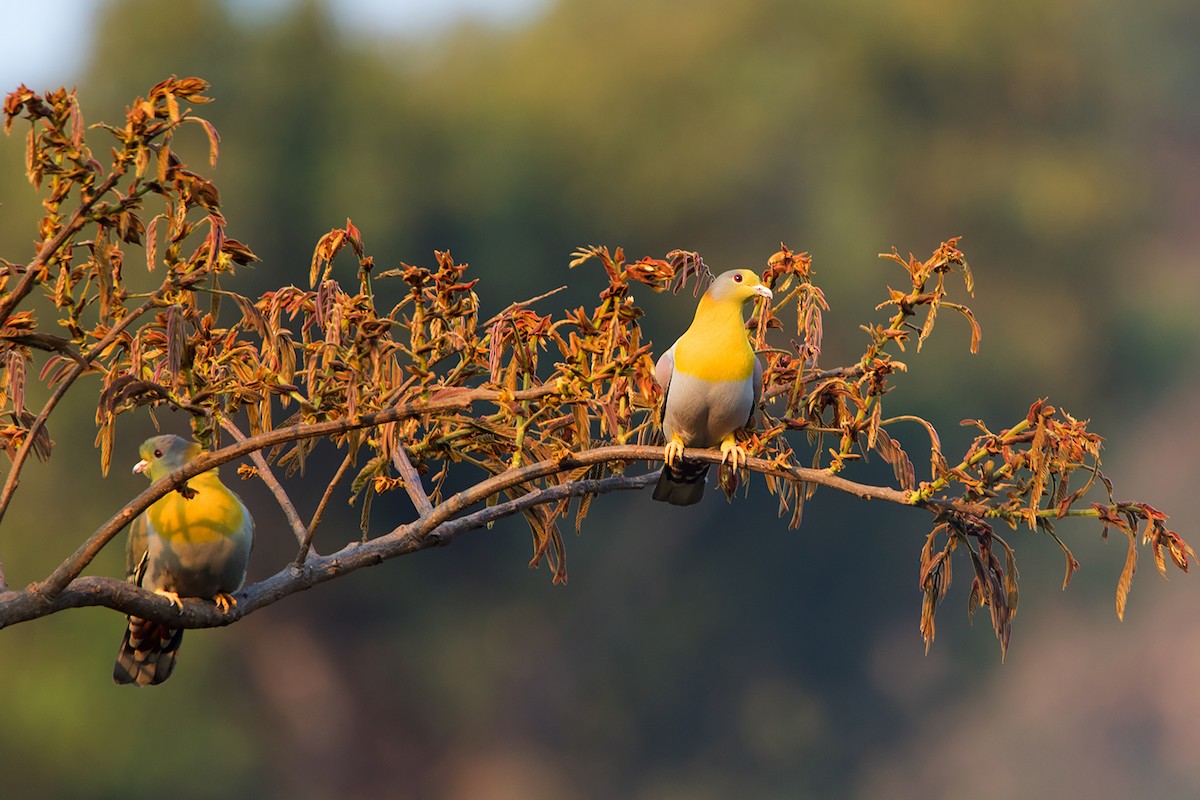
152 243
15 374
976 332
214 138
1072 565
1010 577
104 440
892 453
1126 579
581 511
927 328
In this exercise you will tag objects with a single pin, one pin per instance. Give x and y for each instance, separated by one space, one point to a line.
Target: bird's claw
172 596
224 601
673 451
733 453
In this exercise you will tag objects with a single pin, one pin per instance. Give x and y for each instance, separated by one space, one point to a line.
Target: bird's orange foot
224 601
673 451
733 453
174 598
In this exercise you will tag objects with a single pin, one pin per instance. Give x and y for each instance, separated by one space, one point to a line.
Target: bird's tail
682 484
147 654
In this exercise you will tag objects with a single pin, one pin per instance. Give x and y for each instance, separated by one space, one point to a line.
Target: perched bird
194 543
713 382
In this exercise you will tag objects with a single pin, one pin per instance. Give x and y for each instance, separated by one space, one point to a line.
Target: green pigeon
194 543
713 382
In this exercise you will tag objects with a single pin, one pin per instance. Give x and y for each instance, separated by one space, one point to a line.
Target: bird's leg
673 451
172 596
732 452
224 601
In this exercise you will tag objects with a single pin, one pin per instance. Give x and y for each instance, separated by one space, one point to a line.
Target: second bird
185 545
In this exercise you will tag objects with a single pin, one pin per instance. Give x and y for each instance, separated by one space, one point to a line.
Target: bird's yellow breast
212 513
715 347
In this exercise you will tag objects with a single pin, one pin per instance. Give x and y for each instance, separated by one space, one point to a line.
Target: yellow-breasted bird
196 545
713 382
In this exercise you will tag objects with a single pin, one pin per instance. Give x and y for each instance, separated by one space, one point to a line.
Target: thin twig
855 371
412 481
24 605
10 301
521 304
74 564
46 343
268 477
82 364
306 542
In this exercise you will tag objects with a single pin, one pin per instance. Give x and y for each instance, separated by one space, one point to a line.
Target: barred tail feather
682 484
147 654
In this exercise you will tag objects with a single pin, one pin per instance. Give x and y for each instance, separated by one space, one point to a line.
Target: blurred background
696 653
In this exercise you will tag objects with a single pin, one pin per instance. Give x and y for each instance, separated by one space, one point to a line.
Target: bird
194 542
713 382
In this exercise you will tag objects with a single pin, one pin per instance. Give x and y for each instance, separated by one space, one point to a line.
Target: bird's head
739 286
162 455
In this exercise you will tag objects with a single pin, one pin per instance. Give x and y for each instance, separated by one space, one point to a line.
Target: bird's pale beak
140 466
763 291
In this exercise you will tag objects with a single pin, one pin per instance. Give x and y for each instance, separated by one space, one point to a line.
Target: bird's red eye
158 453
737 278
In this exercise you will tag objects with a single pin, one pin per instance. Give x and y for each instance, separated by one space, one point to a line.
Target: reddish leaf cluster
1126 517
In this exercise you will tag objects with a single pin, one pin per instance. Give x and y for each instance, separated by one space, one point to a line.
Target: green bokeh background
705 652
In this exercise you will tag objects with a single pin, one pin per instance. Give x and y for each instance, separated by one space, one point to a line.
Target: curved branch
272 483
440 525
74 564
306 542
21 606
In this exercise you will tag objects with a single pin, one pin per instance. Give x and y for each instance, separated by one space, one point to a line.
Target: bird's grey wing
135 547
758 387
665 368
237 557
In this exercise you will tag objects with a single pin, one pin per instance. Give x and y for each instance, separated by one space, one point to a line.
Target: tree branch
11 300
74 564
21 606
439 526
268 477
82 363
412 481
306 542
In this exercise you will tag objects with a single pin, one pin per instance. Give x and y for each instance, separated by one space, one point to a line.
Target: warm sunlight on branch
538 412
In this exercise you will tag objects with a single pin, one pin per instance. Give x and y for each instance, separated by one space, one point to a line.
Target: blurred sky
25 59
